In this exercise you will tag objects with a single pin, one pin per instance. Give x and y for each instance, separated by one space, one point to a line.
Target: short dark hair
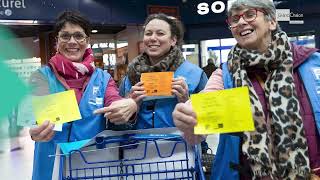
176 26
72 17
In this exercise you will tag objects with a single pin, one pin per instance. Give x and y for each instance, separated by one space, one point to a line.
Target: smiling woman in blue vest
73 68
162 37
283 87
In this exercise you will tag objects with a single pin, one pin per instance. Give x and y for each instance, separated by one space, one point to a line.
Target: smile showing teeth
246 32
72 49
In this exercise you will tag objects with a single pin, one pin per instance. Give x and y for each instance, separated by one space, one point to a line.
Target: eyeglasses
249 16
78 36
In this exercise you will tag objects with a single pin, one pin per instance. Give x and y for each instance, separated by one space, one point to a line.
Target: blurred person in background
14 131
210 67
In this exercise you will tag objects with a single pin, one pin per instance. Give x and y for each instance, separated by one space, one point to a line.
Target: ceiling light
94 31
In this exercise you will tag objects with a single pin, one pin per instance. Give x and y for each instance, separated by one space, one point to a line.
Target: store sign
168 10
216 7
7 7
288 15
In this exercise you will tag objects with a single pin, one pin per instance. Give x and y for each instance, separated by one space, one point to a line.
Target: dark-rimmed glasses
78 36
249 16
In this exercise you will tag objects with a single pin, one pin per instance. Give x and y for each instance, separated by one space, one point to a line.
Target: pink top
214 83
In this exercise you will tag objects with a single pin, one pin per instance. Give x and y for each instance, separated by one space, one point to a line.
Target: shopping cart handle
168 137
128 139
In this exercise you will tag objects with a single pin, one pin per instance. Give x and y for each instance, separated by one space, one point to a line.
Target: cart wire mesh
131 159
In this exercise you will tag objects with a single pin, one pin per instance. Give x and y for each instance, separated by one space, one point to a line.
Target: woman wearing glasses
72 68
281 78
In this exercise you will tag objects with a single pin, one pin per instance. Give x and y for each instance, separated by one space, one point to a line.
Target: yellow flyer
224 111
157 83
58 108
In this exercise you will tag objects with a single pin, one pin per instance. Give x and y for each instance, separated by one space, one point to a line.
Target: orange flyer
157 83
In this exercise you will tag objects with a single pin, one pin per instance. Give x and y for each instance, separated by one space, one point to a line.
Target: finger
138 86
178 94
179 88
113 115
185 109
38 129
181 82
50 136
138 93
45 132
116 107
176 83
135 88
180 85
139 98
183 127
178 80
101 110
175 92
185 123
139 83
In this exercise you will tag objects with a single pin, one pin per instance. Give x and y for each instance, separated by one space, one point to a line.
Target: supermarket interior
116 39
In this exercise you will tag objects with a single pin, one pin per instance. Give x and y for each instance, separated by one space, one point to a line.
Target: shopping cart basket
134 156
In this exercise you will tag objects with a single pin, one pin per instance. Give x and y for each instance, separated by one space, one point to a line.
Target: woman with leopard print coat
286 143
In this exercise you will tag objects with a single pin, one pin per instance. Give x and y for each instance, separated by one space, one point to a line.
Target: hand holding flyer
58 108
157 83
223 111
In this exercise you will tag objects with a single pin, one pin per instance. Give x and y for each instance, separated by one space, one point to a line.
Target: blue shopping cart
134 156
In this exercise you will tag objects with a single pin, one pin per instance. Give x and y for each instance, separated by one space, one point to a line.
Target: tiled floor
16 164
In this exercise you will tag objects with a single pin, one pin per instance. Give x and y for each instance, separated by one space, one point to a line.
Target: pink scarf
73 70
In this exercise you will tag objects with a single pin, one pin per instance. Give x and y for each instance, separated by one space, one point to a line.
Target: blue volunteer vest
310 75
228 148
229 145
163 107
87 127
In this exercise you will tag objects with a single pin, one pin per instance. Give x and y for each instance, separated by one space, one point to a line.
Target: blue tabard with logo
157 112
85 128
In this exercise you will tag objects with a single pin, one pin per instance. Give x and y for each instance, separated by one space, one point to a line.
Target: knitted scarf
73 70
142 64
277 148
